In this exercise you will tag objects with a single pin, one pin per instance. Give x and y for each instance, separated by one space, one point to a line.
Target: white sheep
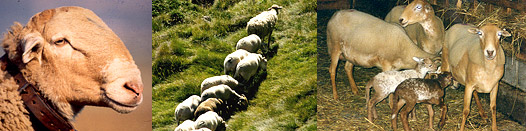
249 66
385 83
185 110
232 59
263 24
218 80
187 125
225 93
210 120
251 43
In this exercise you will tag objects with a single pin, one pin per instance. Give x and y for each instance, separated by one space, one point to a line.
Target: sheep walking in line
233 59
210 120
264 23
249 66
385 83
218 80
418 90
185 110
251 43
211 104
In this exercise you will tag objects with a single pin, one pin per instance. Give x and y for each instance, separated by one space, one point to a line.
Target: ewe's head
489 39
426 64
416 11
275 7
75 59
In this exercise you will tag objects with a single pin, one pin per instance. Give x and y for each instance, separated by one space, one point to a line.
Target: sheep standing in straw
263 24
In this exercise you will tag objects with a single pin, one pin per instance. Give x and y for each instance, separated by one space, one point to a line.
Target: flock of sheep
219 97
411 37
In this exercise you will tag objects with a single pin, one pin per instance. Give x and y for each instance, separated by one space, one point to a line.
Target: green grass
187 50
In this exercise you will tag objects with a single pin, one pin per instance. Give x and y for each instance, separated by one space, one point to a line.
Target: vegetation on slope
187 49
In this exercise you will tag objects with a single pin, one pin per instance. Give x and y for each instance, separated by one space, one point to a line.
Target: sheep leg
467 101
431 114
396 108
371 106
479 105
412 114
404 113
391 101
445 60
269 36
348 69
493 106
332 70
443 114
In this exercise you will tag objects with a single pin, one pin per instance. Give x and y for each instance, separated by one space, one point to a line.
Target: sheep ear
32 44
418 59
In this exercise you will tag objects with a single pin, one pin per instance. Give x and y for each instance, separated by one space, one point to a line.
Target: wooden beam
508 4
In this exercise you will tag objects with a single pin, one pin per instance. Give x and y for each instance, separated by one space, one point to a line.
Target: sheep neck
430 27
40 107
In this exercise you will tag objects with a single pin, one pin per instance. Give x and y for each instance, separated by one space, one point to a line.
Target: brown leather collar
37 104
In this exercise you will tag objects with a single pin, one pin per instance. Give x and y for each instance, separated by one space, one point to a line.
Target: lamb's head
425 65
445 79
75 59
489 35
275 7
416 11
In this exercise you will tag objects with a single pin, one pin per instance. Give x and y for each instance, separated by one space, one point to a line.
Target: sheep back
249 66
210 120
210 104
232 59
187 125
251 43
366 40
185 110
217 80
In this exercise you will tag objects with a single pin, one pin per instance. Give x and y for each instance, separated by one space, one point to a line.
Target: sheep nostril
401 20
134 87
490 53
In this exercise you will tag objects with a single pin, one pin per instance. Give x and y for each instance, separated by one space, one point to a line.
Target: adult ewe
225 93
218 80
476 59
251 43
249 66
185 110
70 58
263 24
362 39
210 120
232 59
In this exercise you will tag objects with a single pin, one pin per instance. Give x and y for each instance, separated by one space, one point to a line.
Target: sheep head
275 7
416 11
425 65
75 59
489 39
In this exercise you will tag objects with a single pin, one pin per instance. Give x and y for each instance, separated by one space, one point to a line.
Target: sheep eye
61 42
499 34
479 33
418 7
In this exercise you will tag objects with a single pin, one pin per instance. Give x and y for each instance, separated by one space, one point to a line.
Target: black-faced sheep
251 43
74 59
364 40
476 59
211 104
418 90
385 83
185 110
232 60
210 120
249 66
422 26
218 80
187 125
263 24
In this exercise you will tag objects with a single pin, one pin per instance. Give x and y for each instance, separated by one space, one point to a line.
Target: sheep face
417 10
489 39
426 64
75 59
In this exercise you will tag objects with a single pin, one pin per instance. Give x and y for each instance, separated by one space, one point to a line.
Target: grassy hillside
187 49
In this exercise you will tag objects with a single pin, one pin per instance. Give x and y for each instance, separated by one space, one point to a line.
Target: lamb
211 104
210 120
232 60
218 80
428 34
249 66
185 110
385 83
418 90
362 39
263 24
225 93
476 59
66 63
251 43
187 125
